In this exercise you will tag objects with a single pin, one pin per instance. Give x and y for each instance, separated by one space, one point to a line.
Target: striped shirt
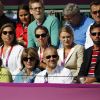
95 54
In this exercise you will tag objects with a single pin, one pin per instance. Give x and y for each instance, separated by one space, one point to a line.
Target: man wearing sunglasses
53 73
95 13
90 68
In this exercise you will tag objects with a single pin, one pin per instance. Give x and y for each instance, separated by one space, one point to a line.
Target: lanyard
7 56
41 55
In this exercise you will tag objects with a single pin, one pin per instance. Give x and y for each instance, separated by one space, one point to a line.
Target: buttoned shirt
59 75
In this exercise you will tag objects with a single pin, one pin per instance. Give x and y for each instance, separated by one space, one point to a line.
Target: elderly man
90 68
53 73
77 21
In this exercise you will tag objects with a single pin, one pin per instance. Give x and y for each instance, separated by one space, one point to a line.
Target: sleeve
55 32
88 42
7 77
31 42
17 78
85 65
19 66
69 77
79 59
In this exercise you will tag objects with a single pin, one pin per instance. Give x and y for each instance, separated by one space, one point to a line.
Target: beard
97 42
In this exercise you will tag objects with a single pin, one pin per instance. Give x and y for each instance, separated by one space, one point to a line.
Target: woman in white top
71 55
10 51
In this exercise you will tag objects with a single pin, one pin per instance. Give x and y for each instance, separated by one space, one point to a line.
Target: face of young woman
41 37
24 16
66 39
7 35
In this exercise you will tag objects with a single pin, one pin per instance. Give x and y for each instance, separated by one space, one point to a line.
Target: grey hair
71 8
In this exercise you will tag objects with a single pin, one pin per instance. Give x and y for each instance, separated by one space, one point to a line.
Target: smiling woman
30 63
10 51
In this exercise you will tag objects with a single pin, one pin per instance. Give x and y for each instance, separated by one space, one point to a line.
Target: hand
21 41
89 80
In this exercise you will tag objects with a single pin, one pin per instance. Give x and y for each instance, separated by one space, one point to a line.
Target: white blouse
14 59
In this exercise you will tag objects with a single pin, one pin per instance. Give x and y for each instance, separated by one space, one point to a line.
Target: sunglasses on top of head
53 56
42 35
94 33
7 32
30 58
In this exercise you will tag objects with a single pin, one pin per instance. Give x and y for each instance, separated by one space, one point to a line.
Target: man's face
95 35
95 12
37 10
51 58
72 19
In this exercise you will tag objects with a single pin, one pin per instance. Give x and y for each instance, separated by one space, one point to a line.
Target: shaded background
47 2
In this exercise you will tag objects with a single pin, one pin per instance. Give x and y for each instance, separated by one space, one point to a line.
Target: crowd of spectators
42 50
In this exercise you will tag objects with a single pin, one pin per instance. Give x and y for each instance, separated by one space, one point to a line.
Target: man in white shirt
53 73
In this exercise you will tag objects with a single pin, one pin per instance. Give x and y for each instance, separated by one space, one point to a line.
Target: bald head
50 57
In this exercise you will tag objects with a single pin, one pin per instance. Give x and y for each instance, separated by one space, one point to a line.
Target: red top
22 32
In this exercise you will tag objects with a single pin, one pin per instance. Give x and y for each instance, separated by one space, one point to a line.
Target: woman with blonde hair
71 54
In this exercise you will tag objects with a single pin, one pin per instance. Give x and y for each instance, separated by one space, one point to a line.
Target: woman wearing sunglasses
71 55
10 51
43 41
30 63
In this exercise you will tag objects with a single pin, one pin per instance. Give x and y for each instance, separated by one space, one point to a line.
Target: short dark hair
95 2
95 25
44 29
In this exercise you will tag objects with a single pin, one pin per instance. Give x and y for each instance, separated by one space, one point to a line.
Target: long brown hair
13 29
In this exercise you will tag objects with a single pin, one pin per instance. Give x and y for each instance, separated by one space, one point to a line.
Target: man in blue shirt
77 21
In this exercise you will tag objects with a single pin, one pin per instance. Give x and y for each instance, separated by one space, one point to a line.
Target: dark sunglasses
9 32
95 12
94 33
53 56
30 58
42 35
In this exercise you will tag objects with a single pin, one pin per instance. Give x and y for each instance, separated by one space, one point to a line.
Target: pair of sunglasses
53 56
8 32
42 35
94 33
30 58
95 12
